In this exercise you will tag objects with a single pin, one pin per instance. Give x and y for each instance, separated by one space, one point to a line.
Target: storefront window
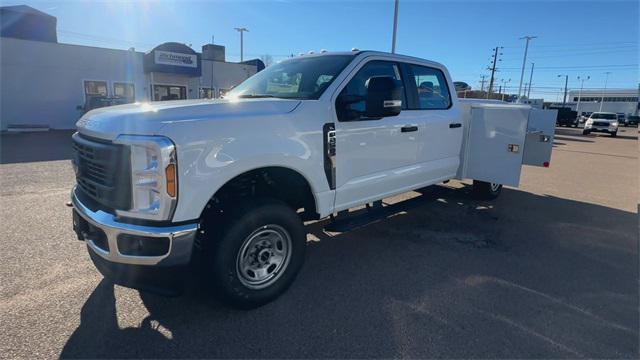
125 91
169 92
95 93
95 88
206 93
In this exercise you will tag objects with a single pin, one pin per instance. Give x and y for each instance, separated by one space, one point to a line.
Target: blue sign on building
174 58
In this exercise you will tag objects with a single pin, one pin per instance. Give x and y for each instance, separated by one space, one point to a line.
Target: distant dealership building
615 100
48 84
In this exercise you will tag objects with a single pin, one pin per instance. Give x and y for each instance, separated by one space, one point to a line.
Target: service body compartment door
495 143
539 141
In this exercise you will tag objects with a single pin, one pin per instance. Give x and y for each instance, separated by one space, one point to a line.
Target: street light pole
582 80
241 30
524 61
566 82
395 27
504 86
605 89
530 79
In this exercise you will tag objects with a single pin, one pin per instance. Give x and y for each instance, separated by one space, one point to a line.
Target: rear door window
431 90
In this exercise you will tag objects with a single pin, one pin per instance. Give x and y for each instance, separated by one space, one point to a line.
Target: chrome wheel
495 187
263 257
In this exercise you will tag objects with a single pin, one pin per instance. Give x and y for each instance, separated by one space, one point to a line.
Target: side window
357 89
431 86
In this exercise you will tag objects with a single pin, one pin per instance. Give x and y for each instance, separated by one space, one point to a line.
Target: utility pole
493 69
524 61
482 82
241 30
605 88
530 79
582 80
638 104
504 86
211 88
566 82
395 27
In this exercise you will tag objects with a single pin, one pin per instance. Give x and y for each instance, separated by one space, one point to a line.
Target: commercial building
46 84
615 100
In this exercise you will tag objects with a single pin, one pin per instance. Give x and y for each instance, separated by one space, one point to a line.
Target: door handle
408 128
454 125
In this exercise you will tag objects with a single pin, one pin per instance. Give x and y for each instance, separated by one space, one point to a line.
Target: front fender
206 163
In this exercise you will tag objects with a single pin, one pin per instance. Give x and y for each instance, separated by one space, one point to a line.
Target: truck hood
148 118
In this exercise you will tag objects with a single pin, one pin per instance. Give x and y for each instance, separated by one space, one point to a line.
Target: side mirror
383 97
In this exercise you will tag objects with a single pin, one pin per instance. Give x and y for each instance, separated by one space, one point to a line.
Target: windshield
299 78
604 116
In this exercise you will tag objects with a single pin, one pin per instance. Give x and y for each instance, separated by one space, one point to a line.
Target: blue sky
585 38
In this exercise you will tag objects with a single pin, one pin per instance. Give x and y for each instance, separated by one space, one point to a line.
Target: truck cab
233 179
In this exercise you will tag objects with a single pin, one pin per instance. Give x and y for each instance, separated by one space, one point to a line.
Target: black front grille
600 123
103 171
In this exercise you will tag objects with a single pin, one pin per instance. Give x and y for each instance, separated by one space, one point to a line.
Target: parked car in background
632 120
585 116
566 117
604 122
622 119
461 86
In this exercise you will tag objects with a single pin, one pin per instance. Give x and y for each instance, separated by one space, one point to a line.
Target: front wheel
258 255
485 190
586 132
614 134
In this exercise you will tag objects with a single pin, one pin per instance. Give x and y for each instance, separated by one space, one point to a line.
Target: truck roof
373 52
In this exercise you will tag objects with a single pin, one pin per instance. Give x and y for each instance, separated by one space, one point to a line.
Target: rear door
539 140
430 100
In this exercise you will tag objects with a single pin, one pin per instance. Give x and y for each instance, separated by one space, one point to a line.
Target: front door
375 158
169 92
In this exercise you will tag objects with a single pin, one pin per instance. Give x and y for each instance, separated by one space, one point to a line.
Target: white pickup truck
234 179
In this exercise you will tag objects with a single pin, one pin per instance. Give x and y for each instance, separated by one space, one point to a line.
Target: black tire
586 132
614 134
244 222
486 191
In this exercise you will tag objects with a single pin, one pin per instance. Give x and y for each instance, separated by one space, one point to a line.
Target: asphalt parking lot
549 270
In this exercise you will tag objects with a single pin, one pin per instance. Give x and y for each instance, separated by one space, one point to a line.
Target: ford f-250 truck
234 179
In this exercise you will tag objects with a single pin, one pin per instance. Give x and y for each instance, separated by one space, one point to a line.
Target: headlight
154 183
589 122
614 124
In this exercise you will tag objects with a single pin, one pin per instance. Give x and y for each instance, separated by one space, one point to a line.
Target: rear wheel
258 254
485 190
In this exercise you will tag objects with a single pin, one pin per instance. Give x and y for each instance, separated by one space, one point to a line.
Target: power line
518 46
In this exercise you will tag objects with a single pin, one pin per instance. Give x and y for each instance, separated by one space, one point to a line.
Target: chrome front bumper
181 238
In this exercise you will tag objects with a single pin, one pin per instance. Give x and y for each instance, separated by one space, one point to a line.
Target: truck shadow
565 138
441 276
36 146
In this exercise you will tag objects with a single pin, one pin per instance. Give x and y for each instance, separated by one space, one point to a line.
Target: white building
615 100
49 84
